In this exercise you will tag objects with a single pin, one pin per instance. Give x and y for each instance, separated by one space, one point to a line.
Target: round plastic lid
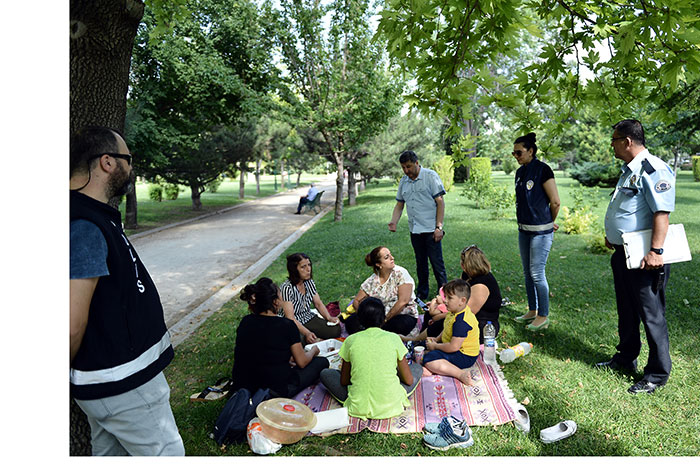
286 414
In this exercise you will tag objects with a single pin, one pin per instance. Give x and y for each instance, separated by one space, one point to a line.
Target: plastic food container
326 347
284 420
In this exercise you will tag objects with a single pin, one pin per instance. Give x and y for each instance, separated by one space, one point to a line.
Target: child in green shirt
369 382
457 347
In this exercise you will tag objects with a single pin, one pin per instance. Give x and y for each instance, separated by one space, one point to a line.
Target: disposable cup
418 354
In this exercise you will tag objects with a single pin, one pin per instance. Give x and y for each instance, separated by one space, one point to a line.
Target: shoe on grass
434 427
522 419
448 437
644 386
523 319
558 432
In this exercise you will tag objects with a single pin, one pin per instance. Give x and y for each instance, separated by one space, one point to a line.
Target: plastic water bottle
489 343
510 354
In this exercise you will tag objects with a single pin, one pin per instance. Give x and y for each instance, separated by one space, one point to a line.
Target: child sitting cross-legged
457 347
375 379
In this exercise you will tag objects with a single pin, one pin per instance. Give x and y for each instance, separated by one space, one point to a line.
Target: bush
696 167
155 192
213 186
509 165
595 243
171 191
445 169
596 174
580 217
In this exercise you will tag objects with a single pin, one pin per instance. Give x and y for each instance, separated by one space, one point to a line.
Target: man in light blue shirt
422 191
642 200
308 199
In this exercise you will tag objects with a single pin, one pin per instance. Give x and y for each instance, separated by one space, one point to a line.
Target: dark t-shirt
490 309
263 350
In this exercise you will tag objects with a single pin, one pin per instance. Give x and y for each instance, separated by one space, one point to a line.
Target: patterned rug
488 401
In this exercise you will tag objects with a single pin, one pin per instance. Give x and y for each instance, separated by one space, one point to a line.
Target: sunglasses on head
473 246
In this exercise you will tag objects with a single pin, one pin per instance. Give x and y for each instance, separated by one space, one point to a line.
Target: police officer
642 200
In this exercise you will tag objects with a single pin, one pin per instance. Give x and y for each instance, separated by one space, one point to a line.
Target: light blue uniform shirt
419 196
638 195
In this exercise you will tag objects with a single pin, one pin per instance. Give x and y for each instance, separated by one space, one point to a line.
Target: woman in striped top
298 293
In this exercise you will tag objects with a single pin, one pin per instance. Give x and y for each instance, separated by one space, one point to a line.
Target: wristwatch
439 227
658 251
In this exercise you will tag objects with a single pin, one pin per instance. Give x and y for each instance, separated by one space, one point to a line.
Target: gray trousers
139 422
330 378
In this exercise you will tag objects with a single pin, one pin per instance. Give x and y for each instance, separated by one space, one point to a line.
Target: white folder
637 244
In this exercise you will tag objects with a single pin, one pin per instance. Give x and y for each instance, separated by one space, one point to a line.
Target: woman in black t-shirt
485 300
266 344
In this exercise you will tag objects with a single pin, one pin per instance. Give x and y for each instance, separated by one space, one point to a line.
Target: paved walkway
199 265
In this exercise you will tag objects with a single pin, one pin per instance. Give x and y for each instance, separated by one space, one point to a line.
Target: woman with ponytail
266 344
537 206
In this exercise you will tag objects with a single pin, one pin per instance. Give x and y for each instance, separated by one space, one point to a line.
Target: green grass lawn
557 377
153 214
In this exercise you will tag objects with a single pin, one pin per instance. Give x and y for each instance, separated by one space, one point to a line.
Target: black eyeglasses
615 139
126 157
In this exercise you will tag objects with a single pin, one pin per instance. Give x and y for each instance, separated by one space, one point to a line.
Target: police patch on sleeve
529 184
662 186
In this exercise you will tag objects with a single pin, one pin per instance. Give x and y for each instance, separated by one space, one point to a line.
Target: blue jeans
534 250
426 248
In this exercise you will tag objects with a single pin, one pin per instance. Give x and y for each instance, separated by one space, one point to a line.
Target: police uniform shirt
646 186
419 196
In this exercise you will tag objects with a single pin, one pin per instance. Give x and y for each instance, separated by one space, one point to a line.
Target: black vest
126 342
531 201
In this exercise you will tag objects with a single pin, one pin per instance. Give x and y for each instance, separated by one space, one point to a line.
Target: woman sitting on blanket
266 344
484 302
375 379
298 293
393 285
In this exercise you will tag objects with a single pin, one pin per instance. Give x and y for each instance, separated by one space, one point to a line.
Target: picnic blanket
488 401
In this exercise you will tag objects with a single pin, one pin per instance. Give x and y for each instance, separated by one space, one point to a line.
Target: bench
314 205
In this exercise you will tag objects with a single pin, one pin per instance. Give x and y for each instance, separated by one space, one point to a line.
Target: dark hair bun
531 136
248 294
368 260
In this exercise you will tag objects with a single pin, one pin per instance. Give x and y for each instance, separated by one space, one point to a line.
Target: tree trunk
257 177
363 184
282 174
352 187
197 191
101 40
241 184
338 216
130 219
298 178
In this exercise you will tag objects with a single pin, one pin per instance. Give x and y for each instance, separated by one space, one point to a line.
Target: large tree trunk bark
101 39
338 216
241 183
257 177
352 187
130 219
197 191
282 174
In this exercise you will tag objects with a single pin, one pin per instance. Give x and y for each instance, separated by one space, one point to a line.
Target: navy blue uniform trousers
641 295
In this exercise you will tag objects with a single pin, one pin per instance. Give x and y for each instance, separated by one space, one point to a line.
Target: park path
199 265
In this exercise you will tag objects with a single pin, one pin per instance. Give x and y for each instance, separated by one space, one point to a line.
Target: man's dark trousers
642 296
426 248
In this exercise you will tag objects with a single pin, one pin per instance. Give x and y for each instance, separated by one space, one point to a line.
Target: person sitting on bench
308 199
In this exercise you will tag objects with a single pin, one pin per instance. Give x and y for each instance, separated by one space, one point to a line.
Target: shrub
213 186
155 192
171 191
580 217
595 174
696 167
445 169
595 243
479 169
509 165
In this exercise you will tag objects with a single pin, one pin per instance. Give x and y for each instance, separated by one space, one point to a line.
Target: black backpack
233 421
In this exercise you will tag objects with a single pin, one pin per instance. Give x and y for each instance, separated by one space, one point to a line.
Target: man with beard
119 344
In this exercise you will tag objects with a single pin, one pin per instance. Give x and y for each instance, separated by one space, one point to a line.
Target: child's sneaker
459 436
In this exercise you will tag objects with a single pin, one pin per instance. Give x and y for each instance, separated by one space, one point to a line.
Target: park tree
337 73
190 88
652 47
